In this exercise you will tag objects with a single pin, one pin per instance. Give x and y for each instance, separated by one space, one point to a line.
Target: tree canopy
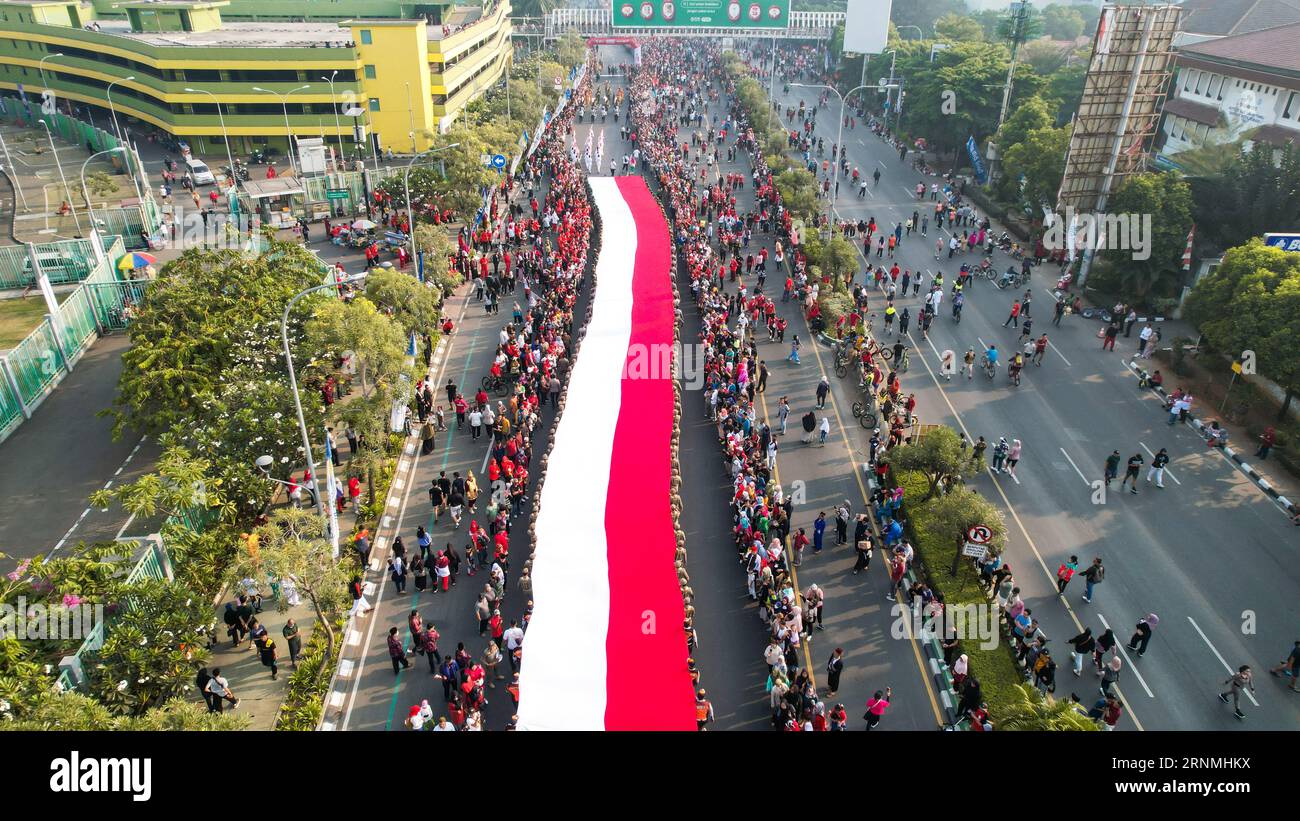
1168 200
1254 192
1252 302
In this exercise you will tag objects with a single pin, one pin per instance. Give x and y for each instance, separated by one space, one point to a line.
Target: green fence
36 363
30 370
63 262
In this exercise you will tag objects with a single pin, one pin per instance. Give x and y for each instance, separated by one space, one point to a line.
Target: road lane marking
1076 468
1119 648
1218 656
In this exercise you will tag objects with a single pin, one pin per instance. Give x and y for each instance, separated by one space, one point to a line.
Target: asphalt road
1210 554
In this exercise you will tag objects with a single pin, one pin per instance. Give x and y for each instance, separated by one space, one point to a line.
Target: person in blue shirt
992 354
893 533
819 531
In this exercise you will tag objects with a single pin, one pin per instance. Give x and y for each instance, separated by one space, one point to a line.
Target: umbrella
363 225
132 261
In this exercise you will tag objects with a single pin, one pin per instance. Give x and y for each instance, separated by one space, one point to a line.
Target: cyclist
991 360
1008 276
1013 369
958 301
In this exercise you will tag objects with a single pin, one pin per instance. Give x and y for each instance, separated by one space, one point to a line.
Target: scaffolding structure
1123 95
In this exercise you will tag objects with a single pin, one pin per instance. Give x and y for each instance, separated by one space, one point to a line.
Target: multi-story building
267 68
1232 87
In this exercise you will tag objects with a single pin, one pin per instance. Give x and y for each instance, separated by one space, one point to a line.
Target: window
365 37
1215 89
1190 80
374 103
370 72
1201 82
1289 112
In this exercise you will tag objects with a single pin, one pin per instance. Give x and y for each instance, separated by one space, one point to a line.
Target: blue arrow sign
498 161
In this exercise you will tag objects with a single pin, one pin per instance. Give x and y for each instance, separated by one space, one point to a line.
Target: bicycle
990 367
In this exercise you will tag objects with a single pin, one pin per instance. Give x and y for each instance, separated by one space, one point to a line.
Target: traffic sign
337 193
1236 367
979 534
498 161
978 551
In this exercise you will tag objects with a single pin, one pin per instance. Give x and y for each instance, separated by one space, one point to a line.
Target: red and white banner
605 648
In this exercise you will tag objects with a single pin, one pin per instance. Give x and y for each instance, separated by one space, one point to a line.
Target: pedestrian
842 523
1131 472
1266 439
896 570
1244 678
1157 470
1084 645
834 667
1142 635
1013 457
824 430
1108 341
819 531
863 550
876 706
293 639
1066 572
514 638
1112 466
359 604
1000 454
218 690
396 652
1093 576
794 350
823 388
1110 675
1290 666
703 710
1014 317
270 656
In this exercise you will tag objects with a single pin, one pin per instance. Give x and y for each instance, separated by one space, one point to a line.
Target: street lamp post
293 384
835 165
109 93
41 67
406 184
62 178
225 137
334 103
85 190
284 106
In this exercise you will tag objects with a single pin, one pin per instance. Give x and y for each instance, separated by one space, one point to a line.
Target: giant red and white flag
606 647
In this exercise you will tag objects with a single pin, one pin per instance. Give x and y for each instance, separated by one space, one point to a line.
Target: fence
153 563
34 366
63 262
129 222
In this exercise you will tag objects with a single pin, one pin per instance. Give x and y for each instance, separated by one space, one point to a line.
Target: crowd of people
546 255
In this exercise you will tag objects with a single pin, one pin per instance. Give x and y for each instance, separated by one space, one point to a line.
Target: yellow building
253 71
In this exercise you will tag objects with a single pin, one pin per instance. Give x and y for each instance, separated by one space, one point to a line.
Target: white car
200 173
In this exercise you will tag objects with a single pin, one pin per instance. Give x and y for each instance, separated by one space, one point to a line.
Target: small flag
1187 253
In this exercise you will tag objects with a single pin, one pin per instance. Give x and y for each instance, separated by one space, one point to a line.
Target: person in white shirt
824 430
444 726
514 639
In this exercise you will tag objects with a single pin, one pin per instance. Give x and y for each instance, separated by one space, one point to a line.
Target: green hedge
996 668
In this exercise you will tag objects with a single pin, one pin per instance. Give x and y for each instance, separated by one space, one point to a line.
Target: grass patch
996 667
19 317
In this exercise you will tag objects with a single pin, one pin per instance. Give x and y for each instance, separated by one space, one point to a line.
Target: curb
1263 484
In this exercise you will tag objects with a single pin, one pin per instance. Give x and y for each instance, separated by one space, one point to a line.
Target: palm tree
1037 712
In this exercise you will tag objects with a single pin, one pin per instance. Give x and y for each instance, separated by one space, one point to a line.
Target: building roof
1192 110
239 35
1222 18
1275 135
1270 49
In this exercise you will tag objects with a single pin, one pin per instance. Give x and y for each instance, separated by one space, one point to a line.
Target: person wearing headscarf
414 720
1111 674
960 668
1142 635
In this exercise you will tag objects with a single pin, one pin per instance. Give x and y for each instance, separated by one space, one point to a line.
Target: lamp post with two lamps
53 148
406 183
284 106
839 140
117 129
